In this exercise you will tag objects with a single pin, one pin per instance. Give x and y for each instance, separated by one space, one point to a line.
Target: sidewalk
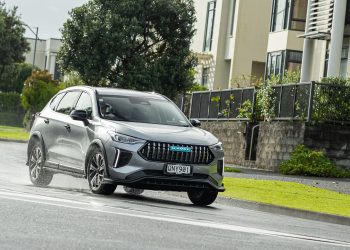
338 185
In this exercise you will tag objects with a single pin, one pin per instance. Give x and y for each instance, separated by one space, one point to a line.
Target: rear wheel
38 176
96 172
202 197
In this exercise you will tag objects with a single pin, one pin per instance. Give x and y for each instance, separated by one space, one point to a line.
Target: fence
311 101
221 105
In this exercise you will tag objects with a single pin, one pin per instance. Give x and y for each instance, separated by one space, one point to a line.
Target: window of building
274 63
209 26
293 60
288 14
84 103
67 103
280 61
343 63
279 15
232 16
205 77
298 15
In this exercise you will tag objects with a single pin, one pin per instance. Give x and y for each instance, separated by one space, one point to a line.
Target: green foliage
331 100
10 102
246 110
143 45
307 162
13 78
72 79
266 102
288 77
13 44
197 87
38 89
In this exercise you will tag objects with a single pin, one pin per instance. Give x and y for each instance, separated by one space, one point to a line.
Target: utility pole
36 40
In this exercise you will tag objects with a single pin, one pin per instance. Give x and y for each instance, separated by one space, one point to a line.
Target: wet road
67 216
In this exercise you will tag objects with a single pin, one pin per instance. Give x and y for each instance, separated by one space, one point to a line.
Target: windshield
140 109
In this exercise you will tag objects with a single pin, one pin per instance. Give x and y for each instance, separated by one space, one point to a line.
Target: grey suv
120 137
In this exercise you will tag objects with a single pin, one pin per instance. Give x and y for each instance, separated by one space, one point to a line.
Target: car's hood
163 133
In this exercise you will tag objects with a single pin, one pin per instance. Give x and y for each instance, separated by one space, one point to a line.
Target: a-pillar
337 35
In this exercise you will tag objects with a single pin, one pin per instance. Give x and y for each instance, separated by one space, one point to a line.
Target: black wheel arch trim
94 143
35 135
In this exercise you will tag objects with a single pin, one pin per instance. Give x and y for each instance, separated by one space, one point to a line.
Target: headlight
124 138
218 147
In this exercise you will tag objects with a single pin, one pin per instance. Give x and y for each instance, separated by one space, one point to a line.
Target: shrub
38 89
308 162
10 102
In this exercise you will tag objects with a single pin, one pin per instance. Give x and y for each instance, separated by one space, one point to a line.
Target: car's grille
160 151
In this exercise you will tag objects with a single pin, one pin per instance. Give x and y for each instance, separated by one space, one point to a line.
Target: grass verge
288 194
13 133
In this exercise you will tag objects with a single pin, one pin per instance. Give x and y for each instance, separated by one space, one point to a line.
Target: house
45 55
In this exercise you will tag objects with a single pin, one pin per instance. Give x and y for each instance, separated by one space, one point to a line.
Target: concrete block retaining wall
276 141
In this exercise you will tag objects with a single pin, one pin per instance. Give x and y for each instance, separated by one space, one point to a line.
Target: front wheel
38 176
202 197
96 172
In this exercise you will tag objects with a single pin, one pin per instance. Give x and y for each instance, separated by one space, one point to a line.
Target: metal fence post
311 101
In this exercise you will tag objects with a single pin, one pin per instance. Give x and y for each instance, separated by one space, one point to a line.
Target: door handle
47 121
67 127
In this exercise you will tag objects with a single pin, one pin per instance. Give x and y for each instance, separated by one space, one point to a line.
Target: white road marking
33 198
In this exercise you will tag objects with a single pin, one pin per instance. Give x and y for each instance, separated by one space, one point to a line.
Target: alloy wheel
96 171
35 163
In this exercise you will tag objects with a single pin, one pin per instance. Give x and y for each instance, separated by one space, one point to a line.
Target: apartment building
238 38
285 48
326 43
231 40
45 55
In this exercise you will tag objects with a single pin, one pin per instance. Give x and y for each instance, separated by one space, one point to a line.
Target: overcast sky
48 15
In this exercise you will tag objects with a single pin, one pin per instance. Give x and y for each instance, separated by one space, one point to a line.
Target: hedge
10 102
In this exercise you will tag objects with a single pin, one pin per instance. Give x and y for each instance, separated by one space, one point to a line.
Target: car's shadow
135 199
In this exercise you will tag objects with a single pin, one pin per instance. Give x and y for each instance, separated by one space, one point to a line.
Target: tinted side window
56 100
85 103
67 103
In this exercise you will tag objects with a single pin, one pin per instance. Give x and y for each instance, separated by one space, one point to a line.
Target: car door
61 151
48 119
77 138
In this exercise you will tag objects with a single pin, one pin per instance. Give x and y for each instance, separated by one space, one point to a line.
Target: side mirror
195 123
79 115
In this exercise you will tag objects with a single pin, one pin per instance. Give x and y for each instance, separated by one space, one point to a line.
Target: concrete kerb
299 213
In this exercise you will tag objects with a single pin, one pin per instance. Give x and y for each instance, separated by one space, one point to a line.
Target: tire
96 171
38 176
133 191
202 197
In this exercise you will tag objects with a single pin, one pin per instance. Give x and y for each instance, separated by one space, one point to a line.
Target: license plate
176 169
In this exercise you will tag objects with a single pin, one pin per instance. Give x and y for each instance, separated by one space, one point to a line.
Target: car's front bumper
145 174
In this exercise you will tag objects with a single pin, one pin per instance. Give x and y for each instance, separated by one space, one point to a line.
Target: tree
143 45
14 77
38 89
13 44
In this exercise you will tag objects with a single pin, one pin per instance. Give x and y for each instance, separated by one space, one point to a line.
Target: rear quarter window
55 101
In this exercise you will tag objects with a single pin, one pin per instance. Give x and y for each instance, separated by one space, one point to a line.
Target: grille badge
180 149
